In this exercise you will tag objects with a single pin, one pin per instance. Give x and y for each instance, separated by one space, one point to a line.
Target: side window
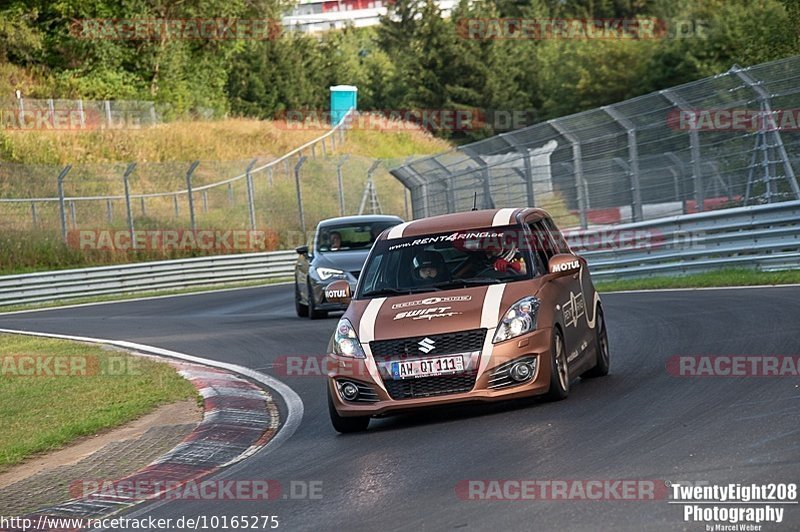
542 247
561 243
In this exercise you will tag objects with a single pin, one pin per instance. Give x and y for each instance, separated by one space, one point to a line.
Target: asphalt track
637 423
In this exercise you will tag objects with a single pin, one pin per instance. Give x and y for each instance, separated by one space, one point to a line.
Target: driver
429 267
494 258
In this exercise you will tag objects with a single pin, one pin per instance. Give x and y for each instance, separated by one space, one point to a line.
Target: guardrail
146 276
765 237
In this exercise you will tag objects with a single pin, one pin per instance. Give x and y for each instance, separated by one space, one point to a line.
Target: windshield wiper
399 291
468 282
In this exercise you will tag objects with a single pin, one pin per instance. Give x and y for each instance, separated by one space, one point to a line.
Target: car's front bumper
318 293
534 345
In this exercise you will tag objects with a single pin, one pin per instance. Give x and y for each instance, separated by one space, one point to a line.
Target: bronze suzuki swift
477 306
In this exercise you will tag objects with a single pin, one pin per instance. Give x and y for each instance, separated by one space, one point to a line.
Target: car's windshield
446 261
349 237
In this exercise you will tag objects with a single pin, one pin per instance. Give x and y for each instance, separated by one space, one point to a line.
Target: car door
569 298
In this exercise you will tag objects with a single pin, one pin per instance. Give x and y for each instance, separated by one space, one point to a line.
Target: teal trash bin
343 98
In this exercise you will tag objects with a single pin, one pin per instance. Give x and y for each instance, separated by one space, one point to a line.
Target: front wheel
346 425
559 369
602 354
300 309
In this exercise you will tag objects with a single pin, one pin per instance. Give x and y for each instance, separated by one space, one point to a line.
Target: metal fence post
175 206
144 208
250 194
633 161
297 167
488 201
109 211
189 173
324 148
73 215
694 144
61 206
128 209
230 194
33 215
341 183
577 160
205 201
107 106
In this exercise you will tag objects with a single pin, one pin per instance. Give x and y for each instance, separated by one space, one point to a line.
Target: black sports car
338 251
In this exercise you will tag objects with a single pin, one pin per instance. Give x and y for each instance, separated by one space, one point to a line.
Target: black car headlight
345 341
329 273
519 319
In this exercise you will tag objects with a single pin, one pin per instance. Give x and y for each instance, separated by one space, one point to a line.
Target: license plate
427 367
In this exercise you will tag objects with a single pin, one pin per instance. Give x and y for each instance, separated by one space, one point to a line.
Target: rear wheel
559 369
312 308
299 307
346 425
602 355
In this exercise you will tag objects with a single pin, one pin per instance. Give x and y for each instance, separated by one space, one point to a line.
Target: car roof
464 221
358 219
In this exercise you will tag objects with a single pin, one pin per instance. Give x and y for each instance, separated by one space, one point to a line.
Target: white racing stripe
489 319
366 334
397 230
504 217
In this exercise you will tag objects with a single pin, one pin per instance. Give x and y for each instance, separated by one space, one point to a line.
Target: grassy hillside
32 160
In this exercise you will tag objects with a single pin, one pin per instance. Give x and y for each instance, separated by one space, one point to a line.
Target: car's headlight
327 273
345 341
519 319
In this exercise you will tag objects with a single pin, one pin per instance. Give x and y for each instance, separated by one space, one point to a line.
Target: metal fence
764 237
259 193
652 156
78 115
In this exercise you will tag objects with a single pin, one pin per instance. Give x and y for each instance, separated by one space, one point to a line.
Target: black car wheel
312 310
602 355
559 369
346 424
299 307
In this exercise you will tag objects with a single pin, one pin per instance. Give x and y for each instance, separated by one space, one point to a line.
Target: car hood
435 312
350 261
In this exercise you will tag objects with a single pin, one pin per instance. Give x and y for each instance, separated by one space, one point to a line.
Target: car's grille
430 386
444 344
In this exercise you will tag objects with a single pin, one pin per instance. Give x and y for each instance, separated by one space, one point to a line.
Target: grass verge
75 390
728 277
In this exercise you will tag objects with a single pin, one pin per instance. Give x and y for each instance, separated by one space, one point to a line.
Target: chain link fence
284 196
729 140
28 113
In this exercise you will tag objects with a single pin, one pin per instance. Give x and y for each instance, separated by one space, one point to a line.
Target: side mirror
301 250
564 263
338 292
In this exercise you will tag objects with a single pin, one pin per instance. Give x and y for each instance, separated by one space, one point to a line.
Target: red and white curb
240 418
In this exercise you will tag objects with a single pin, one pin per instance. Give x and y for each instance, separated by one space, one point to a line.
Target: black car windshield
446 261
349 237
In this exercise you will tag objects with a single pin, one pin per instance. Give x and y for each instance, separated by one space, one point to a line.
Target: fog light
521 371
349 391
